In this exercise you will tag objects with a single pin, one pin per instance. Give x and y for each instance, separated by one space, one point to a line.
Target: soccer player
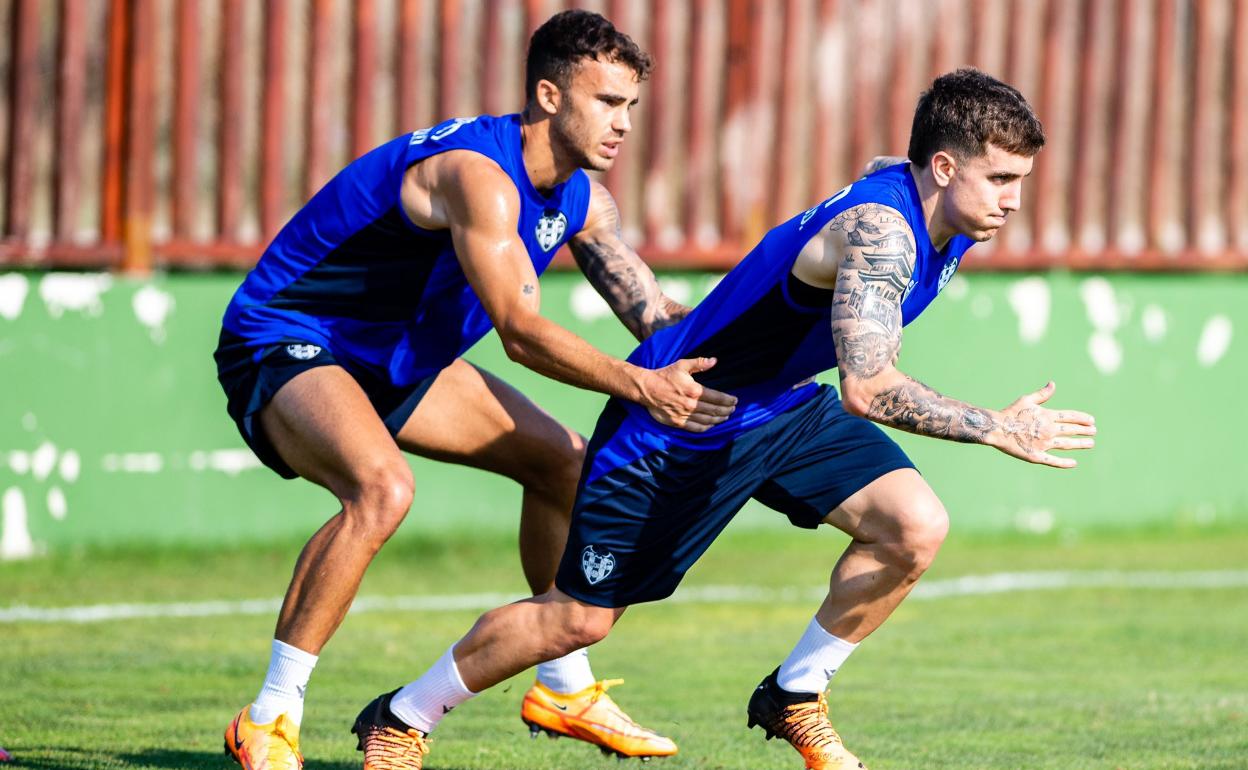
831 287
342 348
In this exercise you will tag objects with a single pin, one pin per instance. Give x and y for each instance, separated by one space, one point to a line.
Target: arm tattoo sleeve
914 407
624 281
871 283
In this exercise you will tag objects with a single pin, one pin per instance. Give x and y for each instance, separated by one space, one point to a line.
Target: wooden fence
141 134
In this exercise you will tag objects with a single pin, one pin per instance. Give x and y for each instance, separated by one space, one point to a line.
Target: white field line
970 585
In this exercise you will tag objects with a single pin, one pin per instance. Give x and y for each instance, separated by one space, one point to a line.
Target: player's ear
943 166
548 96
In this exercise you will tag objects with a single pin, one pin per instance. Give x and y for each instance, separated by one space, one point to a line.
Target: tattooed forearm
914 407
611 275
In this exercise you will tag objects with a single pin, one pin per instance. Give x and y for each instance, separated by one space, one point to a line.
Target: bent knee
581 626
921 531
378 503
555 473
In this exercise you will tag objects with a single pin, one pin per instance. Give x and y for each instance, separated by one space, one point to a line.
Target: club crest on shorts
596 566
303 352
550 228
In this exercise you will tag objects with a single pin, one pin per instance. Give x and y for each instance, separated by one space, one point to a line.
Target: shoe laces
390 749
277 753
600 688
806 724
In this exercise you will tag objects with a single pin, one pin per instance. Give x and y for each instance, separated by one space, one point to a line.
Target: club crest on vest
596 566
303 352
947 272
550 228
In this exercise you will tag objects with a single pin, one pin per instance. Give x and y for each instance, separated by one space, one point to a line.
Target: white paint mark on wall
81 292
1105 352
13 290
1154 321
19 462
29 422
1101 304
43 461
153 307
71 465
1032 302
229 461
981 306
957 288
587 304
57 506
133 462
1215 339
15 542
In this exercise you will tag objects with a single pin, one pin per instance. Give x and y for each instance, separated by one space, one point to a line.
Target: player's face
984 191
593 115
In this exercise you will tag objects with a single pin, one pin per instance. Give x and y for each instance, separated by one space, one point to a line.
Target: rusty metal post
782 193
185 119
698 170
363 71
449 19
1203 216
829 138
71 89
1161 180
24 86
272 143
491 43
407 66
115 89
736 112
656 192
1236 208
140 140
319 113
1048 215
230 126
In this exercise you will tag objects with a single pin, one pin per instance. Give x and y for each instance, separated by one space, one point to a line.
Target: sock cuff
290 652
818 630
453 668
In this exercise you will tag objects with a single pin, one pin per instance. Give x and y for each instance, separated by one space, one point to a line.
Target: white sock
817 656
424 702
284 684
568 674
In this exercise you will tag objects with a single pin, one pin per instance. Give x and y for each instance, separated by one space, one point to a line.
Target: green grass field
1075 677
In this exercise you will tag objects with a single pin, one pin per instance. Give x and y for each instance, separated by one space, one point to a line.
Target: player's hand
674 398
1029 431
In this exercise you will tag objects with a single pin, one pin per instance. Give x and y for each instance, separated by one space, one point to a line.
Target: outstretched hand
674 398
1029 431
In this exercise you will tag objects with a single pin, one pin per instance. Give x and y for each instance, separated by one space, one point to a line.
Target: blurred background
150 148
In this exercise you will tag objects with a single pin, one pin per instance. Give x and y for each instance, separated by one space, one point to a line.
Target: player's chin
594 162
983 234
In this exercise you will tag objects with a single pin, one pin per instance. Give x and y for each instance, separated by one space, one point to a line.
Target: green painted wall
113 428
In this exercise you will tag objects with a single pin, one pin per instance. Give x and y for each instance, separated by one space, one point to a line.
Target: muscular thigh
470 417
323 425
887 507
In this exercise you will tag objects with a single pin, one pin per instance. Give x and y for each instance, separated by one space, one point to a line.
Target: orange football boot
592 716
388 743
802 720
271 746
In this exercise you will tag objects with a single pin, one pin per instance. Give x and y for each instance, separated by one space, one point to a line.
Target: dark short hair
568 37
965 111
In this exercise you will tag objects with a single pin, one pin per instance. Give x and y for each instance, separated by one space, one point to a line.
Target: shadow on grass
159 759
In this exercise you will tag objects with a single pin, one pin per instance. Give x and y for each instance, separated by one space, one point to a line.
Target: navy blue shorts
250 382
638 528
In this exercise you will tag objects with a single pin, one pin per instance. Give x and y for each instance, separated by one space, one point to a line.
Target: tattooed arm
618 274
876 261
